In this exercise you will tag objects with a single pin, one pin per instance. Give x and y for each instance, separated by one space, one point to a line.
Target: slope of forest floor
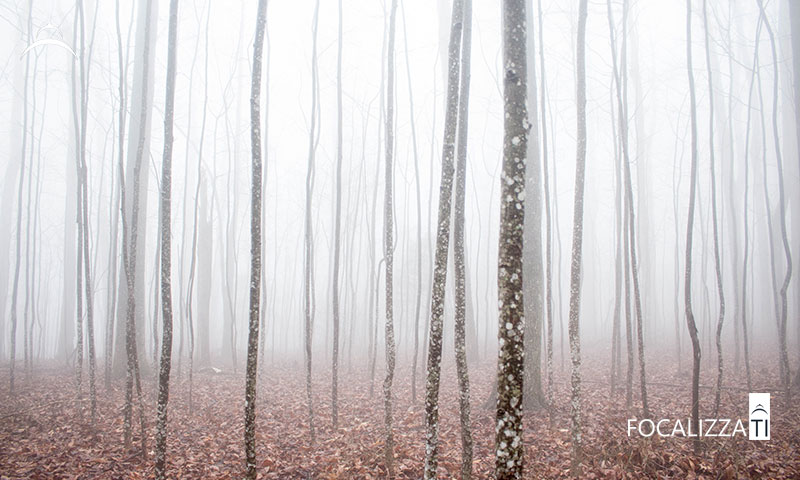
42 435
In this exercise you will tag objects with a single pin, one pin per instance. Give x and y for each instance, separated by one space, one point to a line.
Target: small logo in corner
759 416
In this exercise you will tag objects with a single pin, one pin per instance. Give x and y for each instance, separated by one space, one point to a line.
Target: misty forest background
393 233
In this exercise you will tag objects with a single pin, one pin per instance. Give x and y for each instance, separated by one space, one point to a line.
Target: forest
399 239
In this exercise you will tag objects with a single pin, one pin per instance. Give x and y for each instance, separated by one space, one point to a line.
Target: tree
532 251
577 246
717 263
337 231
388 246
15 287
418 301
255 247
308 238
510 367
784 355
141 104
442 244
630 225
687 292
166 248
458 248
130 232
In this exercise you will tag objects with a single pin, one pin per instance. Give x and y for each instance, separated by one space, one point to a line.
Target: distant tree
17 264
532 243
689 233
418 300
717 262
511 329
577 247
255 247
308 237
166 248
388 245
783 352
337 231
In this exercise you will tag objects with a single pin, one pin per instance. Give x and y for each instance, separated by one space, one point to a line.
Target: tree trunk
255 247
308 252
784 355
458 247
388 246
166 248
337 232
577 247
689 231
510 363
438 288
532 242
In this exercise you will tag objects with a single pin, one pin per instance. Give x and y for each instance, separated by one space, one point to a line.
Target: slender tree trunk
418 299
308 256
438 288
689 231
388 246
337 232
255 247
717 261
577 247
166 248
783 352
510 362
458 247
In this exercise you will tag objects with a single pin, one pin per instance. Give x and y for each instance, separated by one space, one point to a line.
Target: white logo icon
759 416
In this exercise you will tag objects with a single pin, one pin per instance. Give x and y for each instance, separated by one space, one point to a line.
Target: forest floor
42 435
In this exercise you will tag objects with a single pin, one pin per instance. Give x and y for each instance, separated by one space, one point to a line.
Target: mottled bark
577 248
255 247
510 363
458 247
442 244
388 246
166 248
689 231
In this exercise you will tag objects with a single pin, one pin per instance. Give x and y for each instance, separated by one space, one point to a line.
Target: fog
64 65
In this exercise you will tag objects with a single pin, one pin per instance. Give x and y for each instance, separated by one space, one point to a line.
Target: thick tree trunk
510 362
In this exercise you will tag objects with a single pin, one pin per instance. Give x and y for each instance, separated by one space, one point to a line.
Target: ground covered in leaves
42 434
